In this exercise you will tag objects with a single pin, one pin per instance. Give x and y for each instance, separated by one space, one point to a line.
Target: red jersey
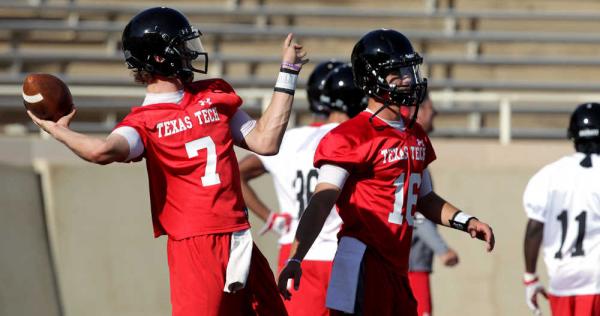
192 168
385 165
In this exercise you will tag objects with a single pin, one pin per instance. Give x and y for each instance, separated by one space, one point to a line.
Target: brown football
47 96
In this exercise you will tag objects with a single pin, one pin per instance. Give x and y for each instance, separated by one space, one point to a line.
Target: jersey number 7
211 177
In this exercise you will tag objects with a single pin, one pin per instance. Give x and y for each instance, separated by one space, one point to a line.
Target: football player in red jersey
371 167
186 131
426 240
295 177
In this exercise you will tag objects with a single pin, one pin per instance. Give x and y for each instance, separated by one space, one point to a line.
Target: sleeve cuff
241 124
332 174
136 147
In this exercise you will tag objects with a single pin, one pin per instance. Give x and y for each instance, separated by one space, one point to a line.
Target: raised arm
100 151
266 136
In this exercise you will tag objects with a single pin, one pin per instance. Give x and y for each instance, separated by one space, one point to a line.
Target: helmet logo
589 133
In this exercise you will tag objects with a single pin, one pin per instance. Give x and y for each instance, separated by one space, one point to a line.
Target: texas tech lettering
171 127
402 153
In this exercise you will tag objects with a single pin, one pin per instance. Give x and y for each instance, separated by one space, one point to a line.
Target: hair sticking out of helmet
160 41
386 68
341 94
584 130
314 86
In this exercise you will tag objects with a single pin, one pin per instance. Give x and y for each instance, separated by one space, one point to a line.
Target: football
47 96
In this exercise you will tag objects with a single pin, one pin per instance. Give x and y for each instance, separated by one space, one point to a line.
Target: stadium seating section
492 65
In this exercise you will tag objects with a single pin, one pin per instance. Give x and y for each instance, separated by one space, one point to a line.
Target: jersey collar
166 97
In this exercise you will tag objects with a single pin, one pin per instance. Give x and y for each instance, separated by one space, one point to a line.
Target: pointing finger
288 40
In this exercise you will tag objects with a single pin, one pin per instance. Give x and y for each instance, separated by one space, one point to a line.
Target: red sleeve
340 149
429 152
133 119
136 120
221 93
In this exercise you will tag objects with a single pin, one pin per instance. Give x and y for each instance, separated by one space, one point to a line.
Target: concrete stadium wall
27 283
107 259
108 262
487 180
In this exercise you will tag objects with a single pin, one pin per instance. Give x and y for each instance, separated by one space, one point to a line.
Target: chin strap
414 117
386 104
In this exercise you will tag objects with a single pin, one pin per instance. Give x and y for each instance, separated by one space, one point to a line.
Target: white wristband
460 220
529 277
286 81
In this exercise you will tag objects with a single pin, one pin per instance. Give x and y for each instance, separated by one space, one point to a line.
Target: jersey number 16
414 182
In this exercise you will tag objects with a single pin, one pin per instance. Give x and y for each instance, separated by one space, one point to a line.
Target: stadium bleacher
467 49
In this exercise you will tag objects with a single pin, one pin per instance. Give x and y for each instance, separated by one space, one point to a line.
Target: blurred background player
371 168
562 202
314 90
186 130
295 178
426 240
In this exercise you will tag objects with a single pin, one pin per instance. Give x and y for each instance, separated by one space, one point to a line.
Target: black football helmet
585 123
161 41
584 130
314 86
341 94
383 52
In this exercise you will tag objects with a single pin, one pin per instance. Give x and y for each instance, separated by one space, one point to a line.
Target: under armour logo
205 102
420 142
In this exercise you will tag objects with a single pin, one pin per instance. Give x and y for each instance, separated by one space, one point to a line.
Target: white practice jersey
295 179
566 198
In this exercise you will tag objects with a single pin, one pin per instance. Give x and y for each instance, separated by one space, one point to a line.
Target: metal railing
472 105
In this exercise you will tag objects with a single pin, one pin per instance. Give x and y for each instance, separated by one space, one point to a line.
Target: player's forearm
266 137
253 202
89 148
436 209
310 226
251 167
534 234
312 221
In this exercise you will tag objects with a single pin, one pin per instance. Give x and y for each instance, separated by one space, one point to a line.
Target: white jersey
295 179
566 198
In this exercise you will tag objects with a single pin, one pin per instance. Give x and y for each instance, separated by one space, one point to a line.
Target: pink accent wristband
290 66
